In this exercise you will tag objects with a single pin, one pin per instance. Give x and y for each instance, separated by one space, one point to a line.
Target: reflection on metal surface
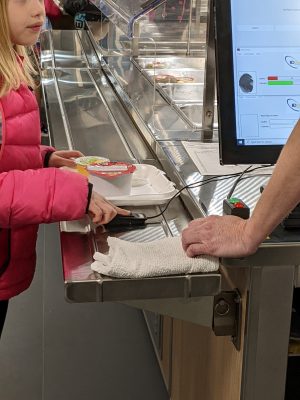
210 196
162 118
84 285
126 13
151 232
171 62
85 110
194 113
66 49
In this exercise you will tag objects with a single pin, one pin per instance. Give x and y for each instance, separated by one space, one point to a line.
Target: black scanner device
131 221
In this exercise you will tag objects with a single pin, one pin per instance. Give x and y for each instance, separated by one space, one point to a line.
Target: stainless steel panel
269 255
136 143
136 89
209 197
125 13
196 76
209 111
184 93
88 49
194 112
64 49
267 334
158 108
57 124
87 116
139 95
84 285
197 310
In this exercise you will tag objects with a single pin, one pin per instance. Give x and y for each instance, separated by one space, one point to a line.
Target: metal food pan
194 113
196 76
171 62
184 93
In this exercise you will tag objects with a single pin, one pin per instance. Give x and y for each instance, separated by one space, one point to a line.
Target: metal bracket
227 316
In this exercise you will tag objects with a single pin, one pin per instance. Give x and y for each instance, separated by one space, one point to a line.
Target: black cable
205 182
248 169
237 181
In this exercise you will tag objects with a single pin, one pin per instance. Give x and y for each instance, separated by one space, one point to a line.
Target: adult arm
230 236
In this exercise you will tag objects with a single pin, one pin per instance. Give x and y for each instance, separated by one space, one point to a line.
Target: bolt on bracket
227 316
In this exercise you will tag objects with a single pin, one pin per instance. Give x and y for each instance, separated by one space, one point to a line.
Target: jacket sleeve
46 151
41 196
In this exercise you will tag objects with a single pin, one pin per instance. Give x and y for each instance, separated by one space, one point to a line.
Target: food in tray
83 162
111 178
149 186
155 64
87 160
173 79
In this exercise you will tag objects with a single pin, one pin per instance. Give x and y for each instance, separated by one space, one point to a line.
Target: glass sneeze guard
124 13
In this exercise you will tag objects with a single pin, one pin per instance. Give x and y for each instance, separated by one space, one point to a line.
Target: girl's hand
102 211
63 158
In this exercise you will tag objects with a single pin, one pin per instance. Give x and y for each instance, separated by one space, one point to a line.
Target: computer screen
258 77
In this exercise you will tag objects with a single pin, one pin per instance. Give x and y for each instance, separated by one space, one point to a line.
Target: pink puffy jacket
52 10
29 194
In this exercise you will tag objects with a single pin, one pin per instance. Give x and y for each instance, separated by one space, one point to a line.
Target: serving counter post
266 339
188 51
210 78
135 40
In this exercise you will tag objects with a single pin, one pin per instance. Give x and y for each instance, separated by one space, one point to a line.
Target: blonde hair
12 74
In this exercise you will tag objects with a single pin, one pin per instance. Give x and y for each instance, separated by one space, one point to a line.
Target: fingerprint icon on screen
246 83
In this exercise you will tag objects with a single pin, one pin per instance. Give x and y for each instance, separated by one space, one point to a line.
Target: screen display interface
266 59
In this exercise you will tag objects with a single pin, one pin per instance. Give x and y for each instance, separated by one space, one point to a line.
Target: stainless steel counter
81 117
105 112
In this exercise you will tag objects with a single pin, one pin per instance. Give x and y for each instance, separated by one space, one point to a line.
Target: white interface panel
266 59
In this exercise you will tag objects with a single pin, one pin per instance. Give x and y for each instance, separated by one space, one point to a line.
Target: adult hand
63 158
102 211
225 236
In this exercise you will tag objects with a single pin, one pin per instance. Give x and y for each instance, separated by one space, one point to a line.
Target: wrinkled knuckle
192 250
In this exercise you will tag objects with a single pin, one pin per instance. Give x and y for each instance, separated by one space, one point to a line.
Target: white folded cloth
140 260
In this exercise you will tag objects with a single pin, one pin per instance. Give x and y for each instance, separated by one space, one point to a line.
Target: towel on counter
144 260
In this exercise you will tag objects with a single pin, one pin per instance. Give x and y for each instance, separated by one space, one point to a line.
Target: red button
239 205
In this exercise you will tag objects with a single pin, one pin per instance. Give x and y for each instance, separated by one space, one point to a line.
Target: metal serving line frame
88 109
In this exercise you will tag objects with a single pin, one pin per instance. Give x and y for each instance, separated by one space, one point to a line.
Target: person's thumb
65 162
122 211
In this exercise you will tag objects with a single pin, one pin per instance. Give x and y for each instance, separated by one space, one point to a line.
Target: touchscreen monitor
258 77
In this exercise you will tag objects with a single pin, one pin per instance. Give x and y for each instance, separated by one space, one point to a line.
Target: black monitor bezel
230 152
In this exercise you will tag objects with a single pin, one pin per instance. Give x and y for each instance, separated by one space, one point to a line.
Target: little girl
29 193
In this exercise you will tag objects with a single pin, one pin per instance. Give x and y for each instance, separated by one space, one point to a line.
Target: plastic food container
85 161
111 178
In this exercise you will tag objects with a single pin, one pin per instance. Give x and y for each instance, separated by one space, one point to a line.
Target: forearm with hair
281 194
